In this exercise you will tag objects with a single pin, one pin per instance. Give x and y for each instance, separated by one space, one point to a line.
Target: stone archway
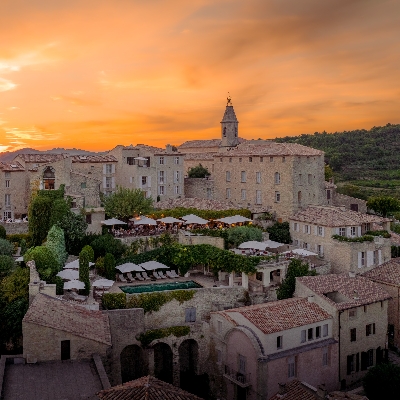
49 178
133 364
163 365
188 364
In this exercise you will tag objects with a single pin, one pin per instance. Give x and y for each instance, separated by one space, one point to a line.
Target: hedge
206 214
360 239
113 301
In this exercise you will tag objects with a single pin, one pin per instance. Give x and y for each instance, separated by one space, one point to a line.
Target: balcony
242 380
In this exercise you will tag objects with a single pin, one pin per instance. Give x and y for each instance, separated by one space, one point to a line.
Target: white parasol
129 267
69 274
153 265
75 284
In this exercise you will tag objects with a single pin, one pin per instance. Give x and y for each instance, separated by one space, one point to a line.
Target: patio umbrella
69 274
253 245
169 220
75 264
103 283
19 259
226 220
240 218
194 219
143 221
112 222
304 252
129 267
153 265
75 284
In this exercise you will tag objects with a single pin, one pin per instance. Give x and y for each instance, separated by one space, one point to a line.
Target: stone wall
213 241
200 188
14 228
348 201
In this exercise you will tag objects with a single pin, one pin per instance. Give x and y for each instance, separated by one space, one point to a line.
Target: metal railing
237 377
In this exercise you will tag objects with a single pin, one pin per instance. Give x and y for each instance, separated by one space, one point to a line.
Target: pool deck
203 280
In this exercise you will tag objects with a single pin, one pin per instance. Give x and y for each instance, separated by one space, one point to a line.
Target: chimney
168 148
311 299
282 388
321 392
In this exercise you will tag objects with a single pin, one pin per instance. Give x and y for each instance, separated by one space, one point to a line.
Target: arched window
49 178
224 131
299 197
277 177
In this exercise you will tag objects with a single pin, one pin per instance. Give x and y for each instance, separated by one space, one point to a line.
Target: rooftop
146 388
62 315
295 390
278 316
93 159
199 156
389 272
150 149
42 158
335 216
11 167
344 291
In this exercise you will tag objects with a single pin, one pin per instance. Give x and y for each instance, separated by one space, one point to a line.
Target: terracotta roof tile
389 272
93 159
61 315
278 316
353 291
150 149
42 158
295 390
334 216
11 167
146 388
199 156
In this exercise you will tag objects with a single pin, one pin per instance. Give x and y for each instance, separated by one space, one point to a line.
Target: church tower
229 126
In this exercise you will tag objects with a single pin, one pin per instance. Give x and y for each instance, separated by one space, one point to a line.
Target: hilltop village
221 323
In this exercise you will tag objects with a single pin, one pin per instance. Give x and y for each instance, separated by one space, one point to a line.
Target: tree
39 218
15 286
3 233
60 209
382 382
280 232
84 258
74 227
296 268
109 266
328 172
126 203
240 234
6 265
107 244
198 172
382 205
46 262
56 242
6 248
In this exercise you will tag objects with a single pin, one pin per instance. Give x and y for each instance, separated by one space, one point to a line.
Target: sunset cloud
95 74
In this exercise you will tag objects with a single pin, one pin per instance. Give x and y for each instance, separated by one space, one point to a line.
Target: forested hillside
359 154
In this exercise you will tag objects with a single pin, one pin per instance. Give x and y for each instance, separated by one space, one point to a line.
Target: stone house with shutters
313 229
258 347
360 319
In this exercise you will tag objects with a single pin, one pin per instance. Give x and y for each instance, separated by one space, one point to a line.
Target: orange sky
93 74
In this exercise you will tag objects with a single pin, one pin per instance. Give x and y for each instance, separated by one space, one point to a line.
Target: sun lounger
169 274
130 277
174 274
139 276
122 278
161 275
156 275
145 276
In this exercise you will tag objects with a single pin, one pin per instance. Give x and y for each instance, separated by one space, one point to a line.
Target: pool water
159 287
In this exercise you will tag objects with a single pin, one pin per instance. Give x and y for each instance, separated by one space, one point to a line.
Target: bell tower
229 126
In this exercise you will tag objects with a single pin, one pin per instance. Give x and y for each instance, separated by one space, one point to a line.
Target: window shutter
380 256
131 179
149 181
370 258
104 182
113 182
113 168
349 361
104 169
193 315
363 361
316 230
359 231
359 259
323 231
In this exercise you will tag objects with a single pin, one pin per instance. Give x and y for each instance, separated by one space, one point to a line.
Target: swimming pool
159 287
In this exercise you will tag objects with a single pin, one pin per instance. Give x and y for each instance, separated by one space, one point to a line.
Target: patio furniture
161 275
122 278
130 277
140 276
156 275
169 274
145 276
174 274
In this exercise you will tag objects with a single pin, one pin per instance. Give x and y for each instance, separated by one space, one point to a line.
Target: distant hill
8 156
359 154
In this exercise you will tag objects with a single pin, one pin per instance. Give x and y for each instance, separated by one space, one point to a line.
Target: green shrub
15 286
384 234
280 232
45 260
107 244
240 234
3 233
60 208
114 301
109 266
382 382
24 247
74 227
6 248
198 172
146 338
18 237
56 243
99 265
84 257
6 265
39 219
360 239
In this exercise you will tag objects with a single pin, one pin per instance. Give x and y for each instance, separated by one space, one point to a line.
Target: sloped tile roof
278 316
11 167
334 216
200 143
93 159
356 291
150 149
146 388
43 158
295 390
389 272
61 315
199 156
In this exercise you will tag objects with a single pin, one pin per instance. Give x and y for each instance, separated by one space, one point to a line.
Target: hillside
359 154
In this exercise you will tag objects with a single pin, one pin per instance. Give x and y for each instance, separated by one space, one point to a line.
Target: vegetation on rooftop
147 337
359 239
198 172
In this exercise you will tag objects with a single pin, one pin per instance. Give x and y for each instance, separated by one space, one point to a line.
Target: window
177 176
250 159
242 364
350 364
230 159
161 160
320 250
219 326
7 183
277 197
342 231
258 177
144 180
277 178
353 335
300 179
353 231
243 176
261 159
375 257
283 159
320 231
258 197
83 185
177 160
190 314
161 190
88 219
370 358
108 168
296 242
370 329
318 332
228 193
108 182
7 174
309 179
303 336
328 194
325 330
362 258
310 334
161 177
220 160
324 356
228 176
177 189
279 342
352 314
240 160
271 159
291 367
307 229
305 245
130 160
7 215
243 194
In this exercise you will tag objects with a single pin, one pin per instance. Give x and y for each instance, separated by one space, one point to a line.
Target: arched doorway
163 362
133 363
49 178
188 362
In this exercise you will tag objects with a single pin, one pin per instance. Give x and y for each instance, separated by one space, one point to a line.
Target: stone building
258 347
333 198
314 228
387 276
360 318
